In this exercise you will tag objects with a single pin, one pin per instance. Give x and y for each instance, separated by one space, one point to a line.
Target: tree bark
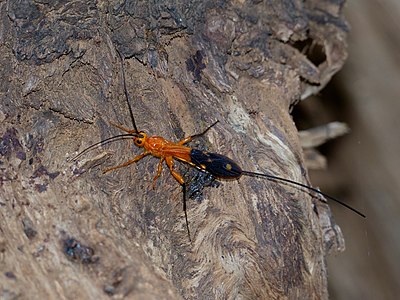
68 231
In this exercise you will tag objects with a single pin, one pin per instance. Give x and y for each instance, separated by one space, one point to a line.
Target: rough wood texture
67 231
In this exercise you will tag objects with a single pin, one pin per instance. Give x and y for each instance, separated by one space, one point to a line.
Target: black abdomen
216 164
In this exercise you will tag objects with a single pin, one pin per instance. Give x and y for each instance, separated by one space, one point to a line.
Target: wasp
218 165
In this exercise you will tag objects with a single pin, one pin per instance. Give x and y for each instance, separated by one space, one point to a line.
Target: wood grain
68 231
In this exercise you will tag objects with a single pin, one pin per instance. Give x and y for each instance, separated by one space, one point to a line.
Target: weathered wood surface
68 231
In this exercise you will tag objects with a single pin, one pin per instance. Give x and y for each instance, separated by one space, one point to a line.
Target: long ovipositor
222 166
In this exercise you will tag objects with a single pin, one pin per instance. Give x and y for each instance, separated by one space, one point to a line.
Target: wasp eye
138 142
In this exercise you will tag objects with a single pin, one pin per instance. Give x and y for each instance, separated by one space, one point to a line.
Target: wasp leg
184 209
170 163
159 169
189 138
123 128
129 162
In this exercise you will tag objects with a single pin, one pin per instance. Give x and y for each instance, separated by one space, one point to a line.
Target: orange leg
129 162
170 162
185 140
189 138
123 128
159 169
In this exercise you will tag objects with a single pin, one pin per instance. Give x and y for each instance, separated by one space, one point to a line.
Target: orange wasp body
160 147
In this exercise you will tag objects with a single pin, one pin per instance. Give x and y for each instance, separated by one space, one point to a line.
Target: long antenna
135 127
272 177
106 141
126 91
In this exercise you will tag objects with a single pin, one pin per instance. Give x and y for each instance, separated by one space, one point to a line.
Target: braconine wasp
216 164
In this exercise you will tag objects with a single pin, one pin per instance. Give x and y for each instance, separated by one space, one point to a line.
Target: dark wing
216 164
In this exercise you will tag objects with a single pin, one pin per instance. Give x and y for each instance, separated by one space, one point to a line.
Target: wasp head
140 139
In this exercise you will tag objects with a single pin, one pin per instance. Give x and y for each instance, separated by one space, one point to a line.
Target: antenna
126 91
106 141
